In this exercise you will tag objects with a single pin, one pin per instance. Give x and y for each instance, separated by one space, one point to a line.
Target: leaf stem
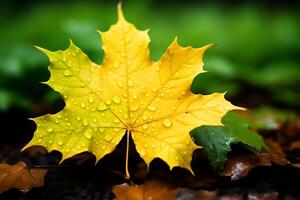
127 175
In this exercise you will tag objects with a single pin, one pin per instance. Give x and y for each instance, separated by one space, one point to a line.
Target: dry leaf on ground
20 176
153 188
239 165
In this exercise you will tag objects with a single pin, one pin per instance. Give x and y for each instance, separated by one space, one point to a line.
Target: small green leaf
217 140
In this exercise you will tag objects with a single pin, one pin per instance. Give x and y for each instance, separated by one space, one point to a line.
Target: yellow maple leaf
128 94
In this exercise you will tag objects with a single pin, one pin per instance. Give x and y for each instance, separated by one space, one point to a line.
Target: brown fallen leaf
293 130
263 196
239 165
20 176
230 197
187 194
153 188
275 154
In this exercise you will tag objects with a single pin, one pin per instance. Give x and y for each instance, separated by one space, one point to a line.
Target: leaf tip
120 11
204 48
71 42
45 51
233 107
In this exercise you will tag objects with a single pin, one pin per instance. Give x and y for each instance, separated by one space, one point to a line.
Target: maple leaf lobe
128 92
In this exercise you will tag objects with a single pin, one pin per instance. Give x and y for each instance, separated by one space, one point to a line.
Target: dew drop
82 105
49 130
50 141
116 120
142 153
145 126
88 134
167 123
116 100
116 129
78 118
101 130
102 106
154 89
91 99
108 101
134 96
146 146
153 146
144 117
85 122
151 108
116 66
125 116
69 64
60 142
134 108
68 72
108 138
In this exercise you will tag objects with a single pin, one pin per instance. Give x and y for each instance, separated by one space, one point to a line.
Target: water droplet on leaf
108 138
167 123
102 106
151 108
91 99
116 120
134 108
88 134
85 122
68 72
145 126
116 100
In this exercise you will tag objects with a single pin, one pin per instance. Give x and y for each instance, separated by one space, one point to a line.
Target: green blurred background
256 57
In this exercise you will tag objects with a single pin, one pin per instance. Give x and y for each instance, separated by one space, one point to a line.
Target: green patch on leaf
217 140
